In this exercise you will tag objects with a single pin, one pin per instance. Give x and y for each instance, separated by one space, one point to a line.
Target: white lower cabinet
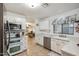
36 37
39 39
57 45
53 45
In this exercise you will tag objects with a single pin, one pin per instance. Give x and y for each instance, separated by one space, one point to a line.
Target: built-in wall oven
14 46
13 38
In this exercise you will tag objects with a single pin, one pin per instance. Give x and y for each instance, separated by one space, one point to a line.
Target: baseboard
55 52
20 52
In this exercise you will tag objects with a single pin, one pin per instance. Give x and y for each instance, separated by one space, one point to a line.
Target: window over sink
65 25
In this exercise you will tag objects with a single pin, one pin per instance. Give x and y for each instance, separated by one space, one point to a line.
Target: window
57 28
63 29
65 25
68 29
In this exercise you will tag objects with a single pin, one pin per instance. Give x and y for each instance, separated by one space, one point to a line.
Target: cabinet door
53 45
41 39
60 44
36 38
57 45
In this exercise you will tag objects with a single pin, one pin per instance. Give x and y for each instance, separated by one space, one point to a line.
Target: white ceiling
41 12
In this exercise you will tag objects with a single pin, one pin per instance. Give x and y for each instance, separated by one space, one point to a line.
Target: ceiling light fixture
33 3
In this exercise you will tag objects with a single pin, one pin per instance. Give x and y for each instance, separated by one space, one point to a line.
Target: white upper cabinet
15 18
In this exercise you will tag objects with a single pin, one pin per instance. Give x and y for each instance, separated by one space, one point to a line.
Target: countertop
71 48
60 38
54 36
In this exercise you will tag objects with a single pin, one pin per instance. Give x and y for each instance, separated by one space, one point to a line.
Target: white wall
44 25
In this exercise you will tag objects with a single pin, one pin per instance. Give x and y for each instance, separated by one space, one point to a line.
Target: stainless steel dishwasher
47 42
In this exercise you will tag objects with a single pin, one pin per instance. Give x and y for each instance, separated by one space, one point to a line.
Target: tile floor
36 50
